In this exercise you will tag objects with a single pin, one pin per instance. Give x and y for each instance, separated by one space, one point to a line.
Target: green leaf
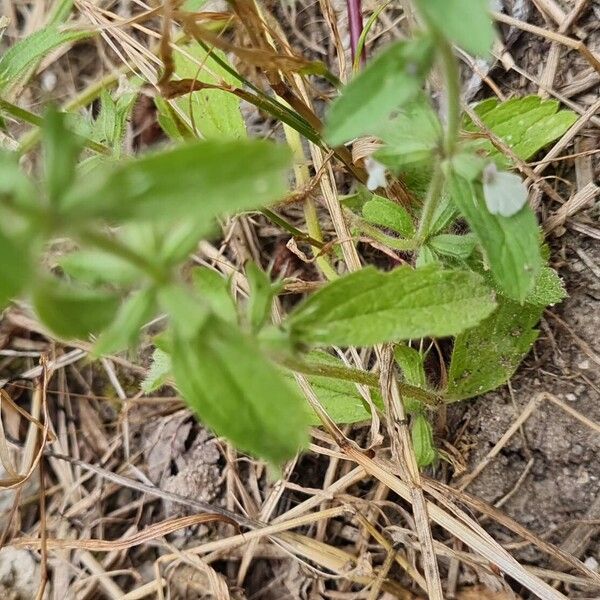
467 23
385 213
548 290
159 372
61 147
525 124
410 137
195 181
422 440
73 312
511 244
341 399
15 267
371 307
214 290
486 356
239 394
15 62
110 124
262 292
455 246
411 363
212 114
426 257
125 329
392 79
95 267
186 312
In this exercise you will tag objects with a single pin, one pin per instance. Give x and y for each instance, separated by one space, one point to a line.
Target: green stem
358 376
452 80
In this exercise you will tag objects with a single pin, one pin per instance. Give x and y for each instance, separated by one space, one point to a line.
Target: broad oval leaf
511 244
392 79
422 440
73 312
371 307
196 181
238 393
385 213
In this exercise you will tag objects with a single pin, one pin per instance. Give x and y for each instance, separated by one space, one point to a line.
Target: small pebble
49 80
584 364
571 397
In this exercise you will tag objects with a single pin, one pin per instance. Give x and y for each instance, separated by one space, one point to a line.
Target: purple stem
355 25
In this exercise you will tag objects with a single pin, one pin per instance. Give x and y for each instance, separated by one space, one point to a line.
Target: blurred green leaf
236 392
95 267
511 244
467 23
371 307
123 332
61 147
15 267
389 81
186 312
15 62
73 312
385 213
196 181
411 136
215 291
262 292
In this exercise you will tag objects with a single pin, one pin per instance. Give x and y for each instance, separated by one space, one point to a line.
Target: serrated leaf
467 23
238 393
511 244
73 312
371 307
196 181
25 53
392 79
159 372
486 356
455 246
214 114
410 137
525 124
124 330
214 290
385 213
422 440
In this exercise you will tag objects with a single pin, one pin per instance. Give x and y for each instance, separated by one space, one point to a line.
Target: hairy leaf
486 356
73 312
385 213
422 440
370 307
239 394
159 372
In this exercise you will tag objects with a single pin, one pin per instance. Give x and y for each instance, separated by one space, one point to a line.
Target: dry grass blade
154 531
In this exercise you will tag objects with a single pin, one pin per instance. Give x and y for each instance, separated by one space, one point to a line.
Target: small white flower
376 172
505 194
